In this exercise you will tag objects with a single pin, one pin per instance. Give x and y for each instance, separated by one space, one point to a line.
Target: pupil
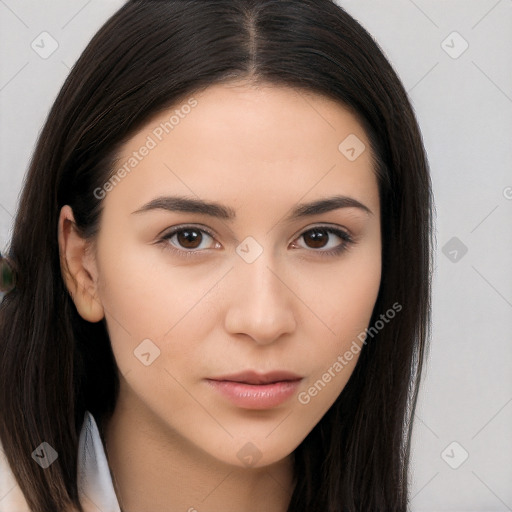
187 238
318 237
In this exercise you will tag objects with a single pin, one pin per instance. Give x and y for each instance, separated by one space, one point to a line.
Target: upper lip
253 377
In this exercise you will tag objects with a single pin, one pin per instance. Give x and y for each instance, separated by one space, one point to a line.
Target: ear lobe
78 268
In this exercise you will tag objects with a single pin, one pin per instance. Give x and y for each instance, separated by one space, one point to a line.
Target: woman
274 365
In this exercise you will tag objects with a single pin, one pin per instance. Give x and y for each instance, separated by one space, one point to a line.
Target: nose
260 305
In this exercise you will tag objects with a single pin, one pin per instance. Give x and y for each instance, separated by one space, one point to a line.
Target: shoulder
11 497
92 464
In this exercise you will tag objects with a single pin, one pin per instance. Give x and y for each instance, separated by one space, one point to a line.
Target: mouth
252 390
255 378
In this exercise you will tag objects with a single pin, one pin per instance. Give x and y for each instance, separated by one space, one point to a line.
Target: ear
78 268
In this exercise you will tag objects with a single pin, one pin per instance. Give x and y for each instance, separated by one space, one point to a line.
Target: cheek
140 294
342 297
343 306
145 298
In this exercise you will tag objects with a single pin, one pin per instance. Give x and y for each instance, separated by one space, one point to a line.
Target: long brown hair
149 55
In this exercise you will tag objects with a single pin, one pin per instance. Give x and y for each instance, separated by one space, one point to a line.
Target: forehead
265 140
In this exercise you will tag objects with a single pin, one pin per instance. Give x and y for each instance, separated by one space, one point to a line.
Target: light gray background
463 100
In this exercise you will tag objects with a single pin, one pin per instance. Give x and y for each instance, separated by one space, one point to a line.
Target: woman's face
229 272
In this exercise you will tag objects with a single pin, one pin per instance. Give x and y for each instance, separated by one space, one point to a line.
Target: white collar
95 485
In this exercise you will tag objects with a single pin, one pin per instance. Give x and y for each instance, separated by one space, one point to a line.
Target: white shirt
95 486
94 479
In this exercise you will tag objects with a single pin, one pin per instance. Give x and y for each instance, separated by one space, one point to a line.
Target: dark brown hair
149 55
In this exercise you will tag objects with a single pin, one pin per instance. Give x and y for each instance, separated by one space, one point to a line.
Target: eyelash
348 241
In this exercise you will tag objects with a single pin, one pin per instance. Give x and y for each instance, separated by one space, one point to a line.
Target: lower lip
260 396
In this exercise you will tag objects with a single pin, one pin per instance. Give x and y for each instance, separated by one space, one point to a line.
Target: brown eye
324 238
316 238
189 238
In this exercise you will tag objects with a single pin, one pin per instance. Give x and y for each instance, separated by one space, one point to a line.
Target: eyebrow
217 210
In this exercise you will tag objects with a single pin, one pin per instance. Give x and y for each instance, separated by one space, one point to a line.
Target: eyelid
327 226
172 230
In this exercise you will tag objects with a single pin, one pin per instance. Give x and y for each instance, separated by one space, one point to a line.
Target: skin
173 441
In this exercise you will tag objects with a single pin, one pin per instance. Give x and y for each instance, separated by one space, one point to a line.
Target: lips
253 390
255 378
